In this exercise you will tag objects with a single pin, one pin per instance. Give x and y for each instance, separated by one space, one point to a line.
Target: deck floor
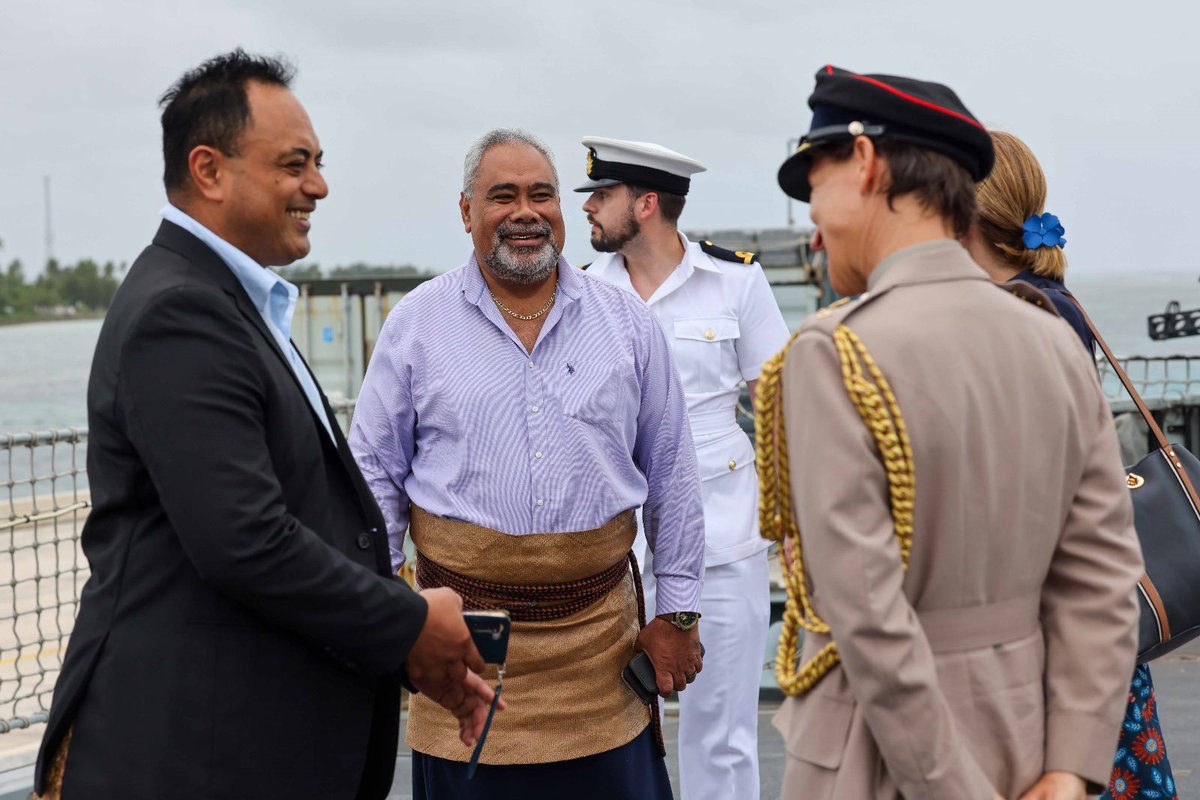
1176 678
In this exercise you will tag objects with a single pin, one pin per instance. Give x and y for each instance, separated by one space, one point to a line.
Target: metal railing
44 500
1161 379
1170 387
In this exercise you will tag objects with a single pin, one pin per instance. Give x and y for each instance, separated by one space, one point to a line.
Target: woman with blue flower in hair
1015 239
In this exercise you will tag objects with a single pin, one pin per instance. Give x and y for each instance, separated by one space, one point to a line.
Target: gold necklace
526 317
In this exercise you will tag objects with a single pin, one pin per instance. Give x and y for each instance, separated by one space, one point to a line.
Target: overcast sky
1106 94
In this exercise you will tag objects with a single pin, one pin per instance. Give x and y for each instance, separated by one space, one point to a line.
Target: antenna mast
49 229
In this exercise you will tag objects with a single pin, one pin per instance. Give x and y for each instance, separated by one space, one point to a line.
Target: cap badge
591 161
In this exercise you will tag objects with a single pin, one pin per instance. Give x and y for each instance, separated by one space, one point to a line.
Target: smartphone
490 630
639 676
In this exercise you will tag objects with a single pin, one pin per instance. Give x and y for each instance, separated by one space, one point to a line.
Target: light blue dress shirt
457 417
274 298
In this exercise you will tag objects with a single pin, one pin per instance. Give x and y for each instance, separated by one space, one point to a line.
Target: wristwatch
684 620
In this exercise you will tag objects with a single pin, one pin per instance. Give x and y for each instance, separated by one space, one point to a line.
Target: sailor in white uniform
722 322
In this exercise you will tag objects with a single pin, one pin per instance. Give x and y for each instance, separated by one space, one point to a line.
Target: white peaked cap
613 161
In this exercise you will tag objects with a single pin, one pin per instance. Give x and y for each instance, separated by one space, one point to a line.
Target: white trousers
718 712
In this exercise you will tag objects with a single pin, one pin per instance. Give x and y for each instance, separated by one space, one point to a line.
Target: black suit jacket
241 635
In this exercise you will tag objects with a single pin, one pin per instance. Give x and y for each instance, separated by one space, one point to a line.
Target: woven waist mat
562 682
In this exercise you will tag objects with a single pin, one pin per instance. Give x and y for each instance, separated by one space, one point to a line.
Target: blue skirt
631 772
1141 770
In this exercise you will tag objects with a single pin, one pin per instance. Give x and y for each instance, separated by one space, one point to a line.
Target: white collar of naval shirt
611 266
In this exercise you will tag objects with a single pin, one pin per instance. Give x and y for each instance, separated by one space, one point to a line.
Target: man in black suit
242 635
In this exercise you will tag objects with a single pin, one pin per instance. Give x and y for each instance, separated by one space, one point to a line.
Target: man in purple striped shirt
514 413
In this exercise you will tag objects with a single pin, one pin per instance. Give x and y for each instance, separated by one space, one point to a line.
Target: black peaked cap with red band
846 104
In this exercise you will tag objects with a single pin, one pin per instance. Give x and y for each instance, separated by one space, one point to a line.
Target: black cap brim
793 175
599 183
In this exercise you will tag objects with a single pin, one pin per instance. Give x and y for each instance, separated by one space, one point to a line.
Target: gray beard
509 265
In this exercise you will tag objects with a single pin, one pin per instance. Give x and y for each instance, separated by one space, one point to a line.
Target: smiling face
610 211
513 214
269 189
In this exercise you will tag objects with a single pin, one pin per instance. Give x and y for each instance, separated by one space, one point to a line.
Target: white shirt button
531 365
534 409
538 454
541 503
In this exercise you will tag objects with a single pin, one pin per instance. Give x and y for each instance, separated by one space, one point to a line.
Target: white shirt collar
697 256
611 266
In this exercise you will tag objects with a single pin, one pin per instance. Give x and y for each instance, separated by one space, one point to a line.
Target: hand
674 653
441 661
1057 785
470 727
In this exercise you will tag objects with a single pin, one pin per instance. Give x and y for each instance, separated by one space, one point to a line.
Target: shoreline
17 319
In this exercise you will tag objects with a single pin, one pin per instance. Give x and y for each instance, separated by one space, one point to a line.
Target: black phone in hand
639 676
490 630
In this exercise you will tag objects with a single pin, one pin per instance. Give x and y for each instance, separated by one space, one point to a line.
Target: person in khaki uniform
940 464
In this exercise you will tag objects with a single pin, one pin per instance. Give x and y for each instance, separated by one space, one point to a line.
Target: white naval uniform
722 322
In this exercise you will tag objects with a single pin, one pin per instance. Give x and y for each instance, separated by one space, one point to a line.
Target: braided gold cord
873 398
776 513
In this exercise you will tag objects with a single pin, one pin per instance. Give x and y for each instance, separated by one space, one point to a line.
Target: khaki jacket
1006 648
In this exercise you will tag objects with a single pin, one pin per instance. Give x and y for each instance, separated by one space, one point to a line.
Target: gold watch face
686 619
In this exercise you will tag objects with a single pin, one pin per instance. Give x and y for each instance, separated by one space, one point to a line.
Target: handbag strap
1166 446
1151 423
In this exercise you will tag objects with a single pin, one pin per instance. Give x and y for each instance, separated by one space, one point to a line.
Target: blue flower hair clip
1043 230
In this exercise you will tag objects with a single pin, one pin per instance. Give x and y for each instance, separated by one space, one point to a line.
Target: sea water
44 365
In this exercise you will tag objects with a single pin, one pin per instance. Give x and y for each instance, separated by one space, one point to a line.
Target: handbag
1166 513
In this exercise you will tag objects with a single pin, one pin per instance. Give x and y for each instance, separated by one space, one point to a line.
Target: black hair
208 106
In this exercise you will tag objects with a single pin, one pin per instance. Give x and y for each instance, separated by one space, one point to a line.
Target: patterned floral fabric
1141 770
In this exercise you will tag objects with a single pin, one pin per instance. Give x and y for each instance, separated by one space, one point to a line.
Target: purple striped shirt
455 416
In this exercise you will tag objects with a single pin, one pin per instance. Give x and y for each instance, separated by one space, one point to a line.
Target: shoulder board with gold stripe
1030 294
736 256
584 266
